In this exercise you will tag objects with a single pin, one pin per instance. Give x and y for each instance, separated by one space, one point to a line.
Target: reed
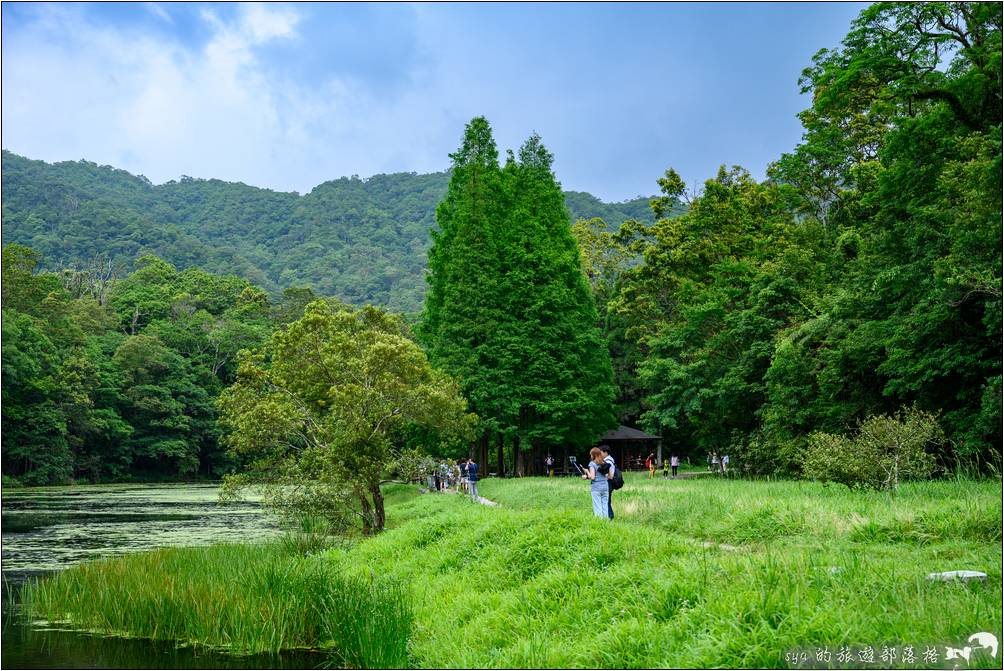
243 598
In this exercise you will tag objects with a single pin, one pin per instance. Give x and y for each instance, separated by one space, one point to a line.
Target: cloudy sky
286 96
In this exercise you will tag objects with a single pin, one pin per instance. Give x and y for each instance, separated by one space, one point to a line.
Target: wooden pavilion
631 447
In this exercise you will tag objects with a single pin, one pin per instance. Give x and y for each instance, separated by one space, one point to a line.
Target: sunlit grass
700 572
693 573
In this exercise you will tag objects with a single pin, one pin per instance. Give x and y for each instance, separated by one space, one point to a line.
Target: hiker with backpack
616 480
599 473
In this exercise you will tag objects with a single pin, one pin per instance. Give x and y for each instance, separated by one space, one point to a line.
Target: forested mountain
841 319
363 241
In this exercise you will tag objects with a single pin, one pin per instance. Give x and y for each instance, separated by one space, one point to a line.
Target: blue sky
286 96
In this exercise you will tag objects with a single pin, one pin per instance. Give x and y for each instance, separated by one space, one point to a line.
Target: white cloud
153 105
158 11
73 89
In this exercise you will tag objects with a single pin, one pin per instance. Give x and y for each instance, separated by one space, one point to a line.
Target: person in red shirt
650 464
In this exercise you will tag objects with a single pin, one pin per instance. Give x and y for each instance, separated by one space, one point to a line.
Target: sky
287 96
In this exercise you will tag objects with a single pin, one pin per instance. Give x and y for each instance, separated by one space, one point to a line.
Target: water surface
46 529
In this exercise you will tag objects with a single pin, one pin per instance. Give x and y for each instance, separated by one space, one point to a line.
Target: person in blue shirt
600 489
472 480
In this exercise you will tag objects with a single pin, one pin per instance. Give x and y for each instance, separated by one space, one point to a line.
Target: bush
884 450
760 455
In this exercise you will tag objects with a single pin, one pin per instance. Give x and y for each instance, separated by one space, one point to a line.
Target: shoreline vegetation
703 572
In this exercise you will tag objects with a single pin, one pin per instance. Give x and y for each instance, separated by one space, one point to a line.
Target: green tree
35 448
902 162
318 406
555 365
508 311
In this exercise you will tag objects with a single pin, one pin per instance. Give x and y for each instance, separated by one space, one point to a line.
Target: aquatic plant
243 598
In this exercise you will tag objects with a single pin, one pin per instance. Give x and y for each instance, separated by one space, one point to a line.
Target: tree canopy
363 241
316 409
508 310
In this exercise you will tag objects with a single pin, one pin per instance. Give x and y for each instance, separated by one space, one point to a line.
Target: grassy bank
245 598
702 572
694 573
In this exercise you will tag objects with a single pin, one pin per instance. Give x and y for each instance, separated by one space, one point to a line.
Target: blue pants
601 503
473 486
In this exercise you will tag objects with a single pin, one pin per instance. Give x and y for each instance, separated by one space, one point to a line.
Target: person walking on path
674 462
716 466
725 464
599 472
472 480
609 461
549 466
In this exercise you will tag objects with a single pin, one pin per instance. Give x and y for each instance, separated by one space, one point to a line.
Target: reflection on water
27 648
49 528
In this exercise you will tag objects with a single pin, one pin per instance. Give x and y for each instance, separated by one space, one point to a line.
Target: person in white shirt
605 451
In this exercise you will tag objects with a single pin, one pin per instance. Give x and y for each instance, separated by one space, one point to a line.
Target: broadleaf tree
316 410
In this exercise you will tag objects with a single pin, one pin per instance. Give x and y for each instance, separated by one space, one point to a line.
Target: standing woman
599 472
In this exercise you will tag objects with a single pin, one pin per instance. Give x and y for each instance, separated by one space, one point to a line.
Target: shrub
884 450
761 455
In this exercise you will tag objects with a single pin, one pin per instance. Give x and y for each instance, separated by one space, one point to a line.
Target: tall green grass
694 573
702 572
243 598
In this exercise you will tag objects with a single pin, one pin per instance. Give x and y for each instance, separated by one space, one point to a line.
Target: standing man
605 453
472 480
725 464
549 464
464 480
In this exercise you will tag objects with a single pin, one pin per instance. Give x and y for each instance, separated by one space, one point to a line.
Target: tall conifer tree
508 310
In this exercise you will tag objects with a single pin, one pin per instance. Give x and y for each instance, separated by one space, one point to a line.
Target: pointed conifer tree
508 310
461 306
559 365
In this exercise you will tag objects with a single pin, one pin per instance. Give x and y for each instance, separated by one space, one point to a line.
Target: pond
46 529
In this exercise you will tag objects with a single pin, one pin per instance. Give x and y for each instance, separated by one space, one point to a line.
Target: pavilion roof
626 433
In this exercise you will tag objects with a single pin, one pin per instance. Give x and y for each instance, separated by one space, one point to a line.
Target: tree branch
953 101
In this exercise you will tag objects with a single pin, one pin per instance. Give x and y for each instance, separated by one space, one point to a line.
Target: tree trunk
482 455
367 511
500 443
517 455
378 511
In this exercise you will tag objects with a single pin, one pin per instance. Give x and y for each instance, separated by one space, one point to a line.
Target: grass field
700 572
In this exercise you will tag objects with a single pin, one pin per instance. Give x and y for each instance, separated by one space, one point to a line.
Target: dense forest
361 240
860 279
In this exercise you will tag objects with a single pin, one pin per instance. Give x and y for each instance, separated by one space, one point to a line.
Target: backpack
617 481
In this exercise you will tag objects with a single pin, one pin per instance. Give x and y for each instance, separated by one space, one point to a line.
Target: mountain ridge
363 240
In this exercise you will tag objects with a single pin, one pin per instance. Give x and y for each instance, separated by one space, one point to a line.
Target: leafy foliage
316 410
363 241
884 451
119 382
863 276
